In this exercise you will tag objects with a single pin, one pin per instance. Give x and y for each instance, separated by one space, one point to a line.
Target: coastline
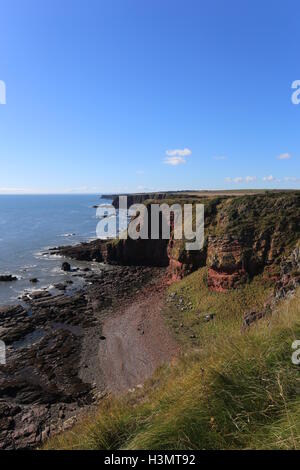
30 225
66 351
57 357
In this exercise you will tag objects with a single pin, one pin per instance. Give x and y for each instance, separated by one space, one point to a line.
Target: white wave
68 235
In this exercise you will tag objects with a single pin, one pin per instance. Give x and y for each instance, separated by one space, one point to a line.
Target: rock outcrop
289 275
286 285
226 263
66 266
7 278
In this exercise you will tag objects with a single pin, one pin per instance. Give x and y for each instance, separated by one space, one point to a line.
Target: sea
29 226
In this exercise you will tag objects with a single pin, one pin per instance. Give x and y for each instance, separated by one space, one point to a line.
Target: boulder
66 266
7 278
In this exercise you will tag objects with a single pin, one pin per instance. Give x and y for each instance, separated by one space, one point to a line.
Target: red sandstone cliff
244 236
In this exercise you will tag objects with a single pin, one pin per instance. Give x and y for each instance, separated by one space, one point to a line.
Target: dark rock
7 278
60 286
40 294
34 280
208 317
66 266
91 251
252 317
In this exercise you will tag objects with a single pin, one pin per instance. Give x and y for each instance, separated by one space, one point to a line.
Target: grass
192 300
229 390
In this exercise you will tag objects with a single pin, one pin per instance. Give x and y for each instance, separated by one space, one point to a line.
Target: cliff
140 198
244 236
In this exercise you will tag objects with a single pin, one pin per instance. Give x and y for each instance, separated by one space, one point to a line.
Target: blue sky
139 95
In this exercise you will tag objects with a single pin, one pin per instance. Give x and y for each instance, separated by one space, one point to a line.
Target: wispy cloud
177 156
241 179
13 190
144 188
284 156
292 179
271 179
179 153
250 179
174 161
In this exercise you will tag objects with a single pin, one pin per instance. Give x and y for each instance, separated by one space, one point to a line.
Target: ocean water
29 225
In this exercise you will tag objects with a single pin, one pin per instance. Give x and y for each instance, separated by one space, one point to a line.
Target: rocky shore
53 370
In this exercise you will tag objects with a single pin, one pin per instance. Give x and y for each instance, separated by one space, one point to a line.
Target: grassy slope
185 312
229 389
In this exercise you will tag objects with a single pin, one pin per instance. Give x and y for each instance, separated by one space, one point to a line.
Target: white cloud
292 179
238 179
174 161
271 179
177 156
179 152
241 179
12 190
144 188
284 156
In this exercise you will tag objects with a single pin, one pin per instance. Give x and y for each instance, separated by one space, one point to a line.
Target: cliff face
244 236
251 236
140 198
226 263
